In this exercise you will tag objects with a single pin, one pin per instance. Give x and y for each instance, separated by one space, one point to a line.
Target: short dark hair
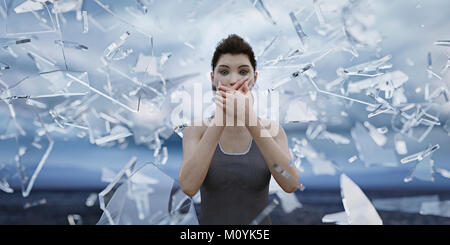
233 44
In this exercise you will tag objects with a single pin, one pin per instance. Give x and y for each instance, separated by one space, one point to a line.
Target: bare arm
198 150
275 150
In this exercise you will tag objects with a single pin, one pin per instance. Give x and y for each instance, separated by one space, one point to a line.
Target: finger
224 89
238 85
222 94
219 98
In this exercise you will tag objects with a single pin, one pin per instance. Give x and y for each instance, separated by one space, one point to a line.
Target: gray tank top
236 188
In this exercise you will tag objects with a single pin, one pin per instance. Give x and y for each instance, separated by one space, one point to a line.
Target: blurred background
85 86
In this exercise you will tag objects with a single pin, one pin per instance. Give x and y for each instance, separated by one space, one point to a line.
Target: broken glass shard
73 45
266 212
115 48
85 22
420 155
74 219
35 203
352 159
35 13
395 78
152 198
400 144
4 186
92 198
377 137
442 43
438 208
118 132
259 5
358 207
299 30
318 161
339 218
445 173
8 42
403 204
369 151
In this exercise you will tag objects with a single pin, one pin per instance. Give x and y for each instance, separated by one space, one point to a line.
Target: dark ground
316 203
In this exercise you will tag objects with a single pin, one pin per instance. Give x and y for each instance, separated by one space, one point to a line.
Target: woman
231 163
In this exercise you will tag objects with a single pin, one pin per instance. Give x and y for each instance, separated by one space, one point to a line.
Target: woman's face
232 68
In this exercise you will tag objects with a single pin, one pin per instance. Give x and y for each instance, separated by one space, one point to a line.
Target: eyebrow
238 67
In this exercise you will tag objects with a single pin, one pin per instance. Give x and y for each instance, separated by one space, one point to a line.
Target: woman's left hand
239 93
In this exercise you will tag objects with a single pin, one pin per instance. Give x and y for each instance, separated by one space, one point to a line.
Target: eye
223 72
243 72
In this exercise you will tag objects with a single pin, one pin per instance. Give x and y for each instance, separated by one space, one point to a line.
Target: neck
237 130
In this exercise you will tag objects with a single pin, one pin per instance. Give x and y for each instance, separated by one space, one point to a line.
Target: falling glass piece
161 202
339 218
442 43
445 173
438 208
395 78
320 165
423 170
27 183
179 129
352 159
371 66
4 66
420 155
164 156
338 95
47 84
90 201
335 138
314 130
429 60
99 92
107 175
405 123
403 204
74 219
299 111
358 207
117 132
35 203
369 151
115 48
2 12
432 97
299 30
73 45
107 9
8 42
318 13
266 212
148 64
85 22
58 26
31 5
377 137
294 75
400 144
289 201
141 6
4 186
259 5
67 6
